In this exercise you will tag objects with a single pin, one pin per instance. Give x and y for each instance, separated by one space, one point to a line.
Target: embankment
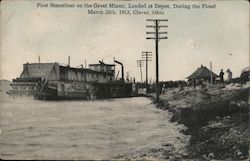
200 113
216 117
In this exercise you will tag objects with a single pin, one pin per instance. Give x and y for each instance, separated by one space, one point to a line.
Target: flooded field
102 129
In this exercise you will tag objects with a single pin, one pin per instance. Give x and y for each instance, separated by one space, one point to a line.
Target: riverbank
216 116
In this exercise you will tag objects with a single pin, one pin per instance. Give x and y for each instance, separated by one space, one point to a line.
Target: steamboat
54 81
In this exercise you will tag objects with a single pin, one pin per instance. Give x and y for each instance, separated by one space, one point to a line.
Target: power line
157 36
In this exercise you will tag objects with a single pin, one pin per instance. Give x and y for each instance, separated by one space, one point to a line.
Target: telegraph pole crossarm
159 38
155 32
157 20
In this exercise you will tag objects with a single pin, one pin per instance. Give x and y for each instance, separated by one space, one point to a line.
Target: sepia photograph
124 80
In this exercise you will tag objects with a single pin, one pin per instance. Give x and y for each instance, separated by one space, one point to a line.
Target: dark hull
70 90
99 91
113 90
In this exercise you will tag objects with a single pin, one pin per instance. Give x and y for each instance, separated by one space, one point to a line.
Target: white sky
195 37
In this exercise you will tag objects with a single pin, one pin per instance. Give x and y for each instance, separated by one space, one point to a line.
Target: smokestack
122 72
122 68
39 59
68 60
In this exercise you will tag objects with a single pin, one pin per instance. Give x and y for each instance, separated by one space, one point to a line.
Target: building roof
202 73
85 70
247 69
101 63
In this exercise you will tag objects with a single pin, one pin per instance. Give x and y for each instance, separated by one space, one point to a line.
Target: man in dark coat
221 76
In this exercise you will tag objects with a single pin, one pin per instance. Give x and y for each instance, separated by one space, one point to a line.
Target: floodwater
100 129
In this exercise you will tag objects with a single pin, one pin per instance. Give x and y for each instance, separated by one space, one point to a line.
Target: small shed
201 74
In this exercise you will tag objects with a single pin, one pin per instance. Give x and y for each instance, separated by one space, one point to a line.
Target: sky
195 37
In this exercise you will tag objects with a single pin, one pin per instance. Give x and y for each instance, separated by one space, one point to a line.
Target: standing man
230 74
221 76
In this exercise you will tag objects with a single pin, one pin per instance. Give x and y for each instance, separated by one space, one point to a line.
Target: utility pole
68 61
211 74
39 59
140 64
146 56
157 37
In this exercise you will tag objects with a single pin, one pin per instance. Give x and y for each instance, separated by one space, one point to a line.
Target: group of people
230 75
